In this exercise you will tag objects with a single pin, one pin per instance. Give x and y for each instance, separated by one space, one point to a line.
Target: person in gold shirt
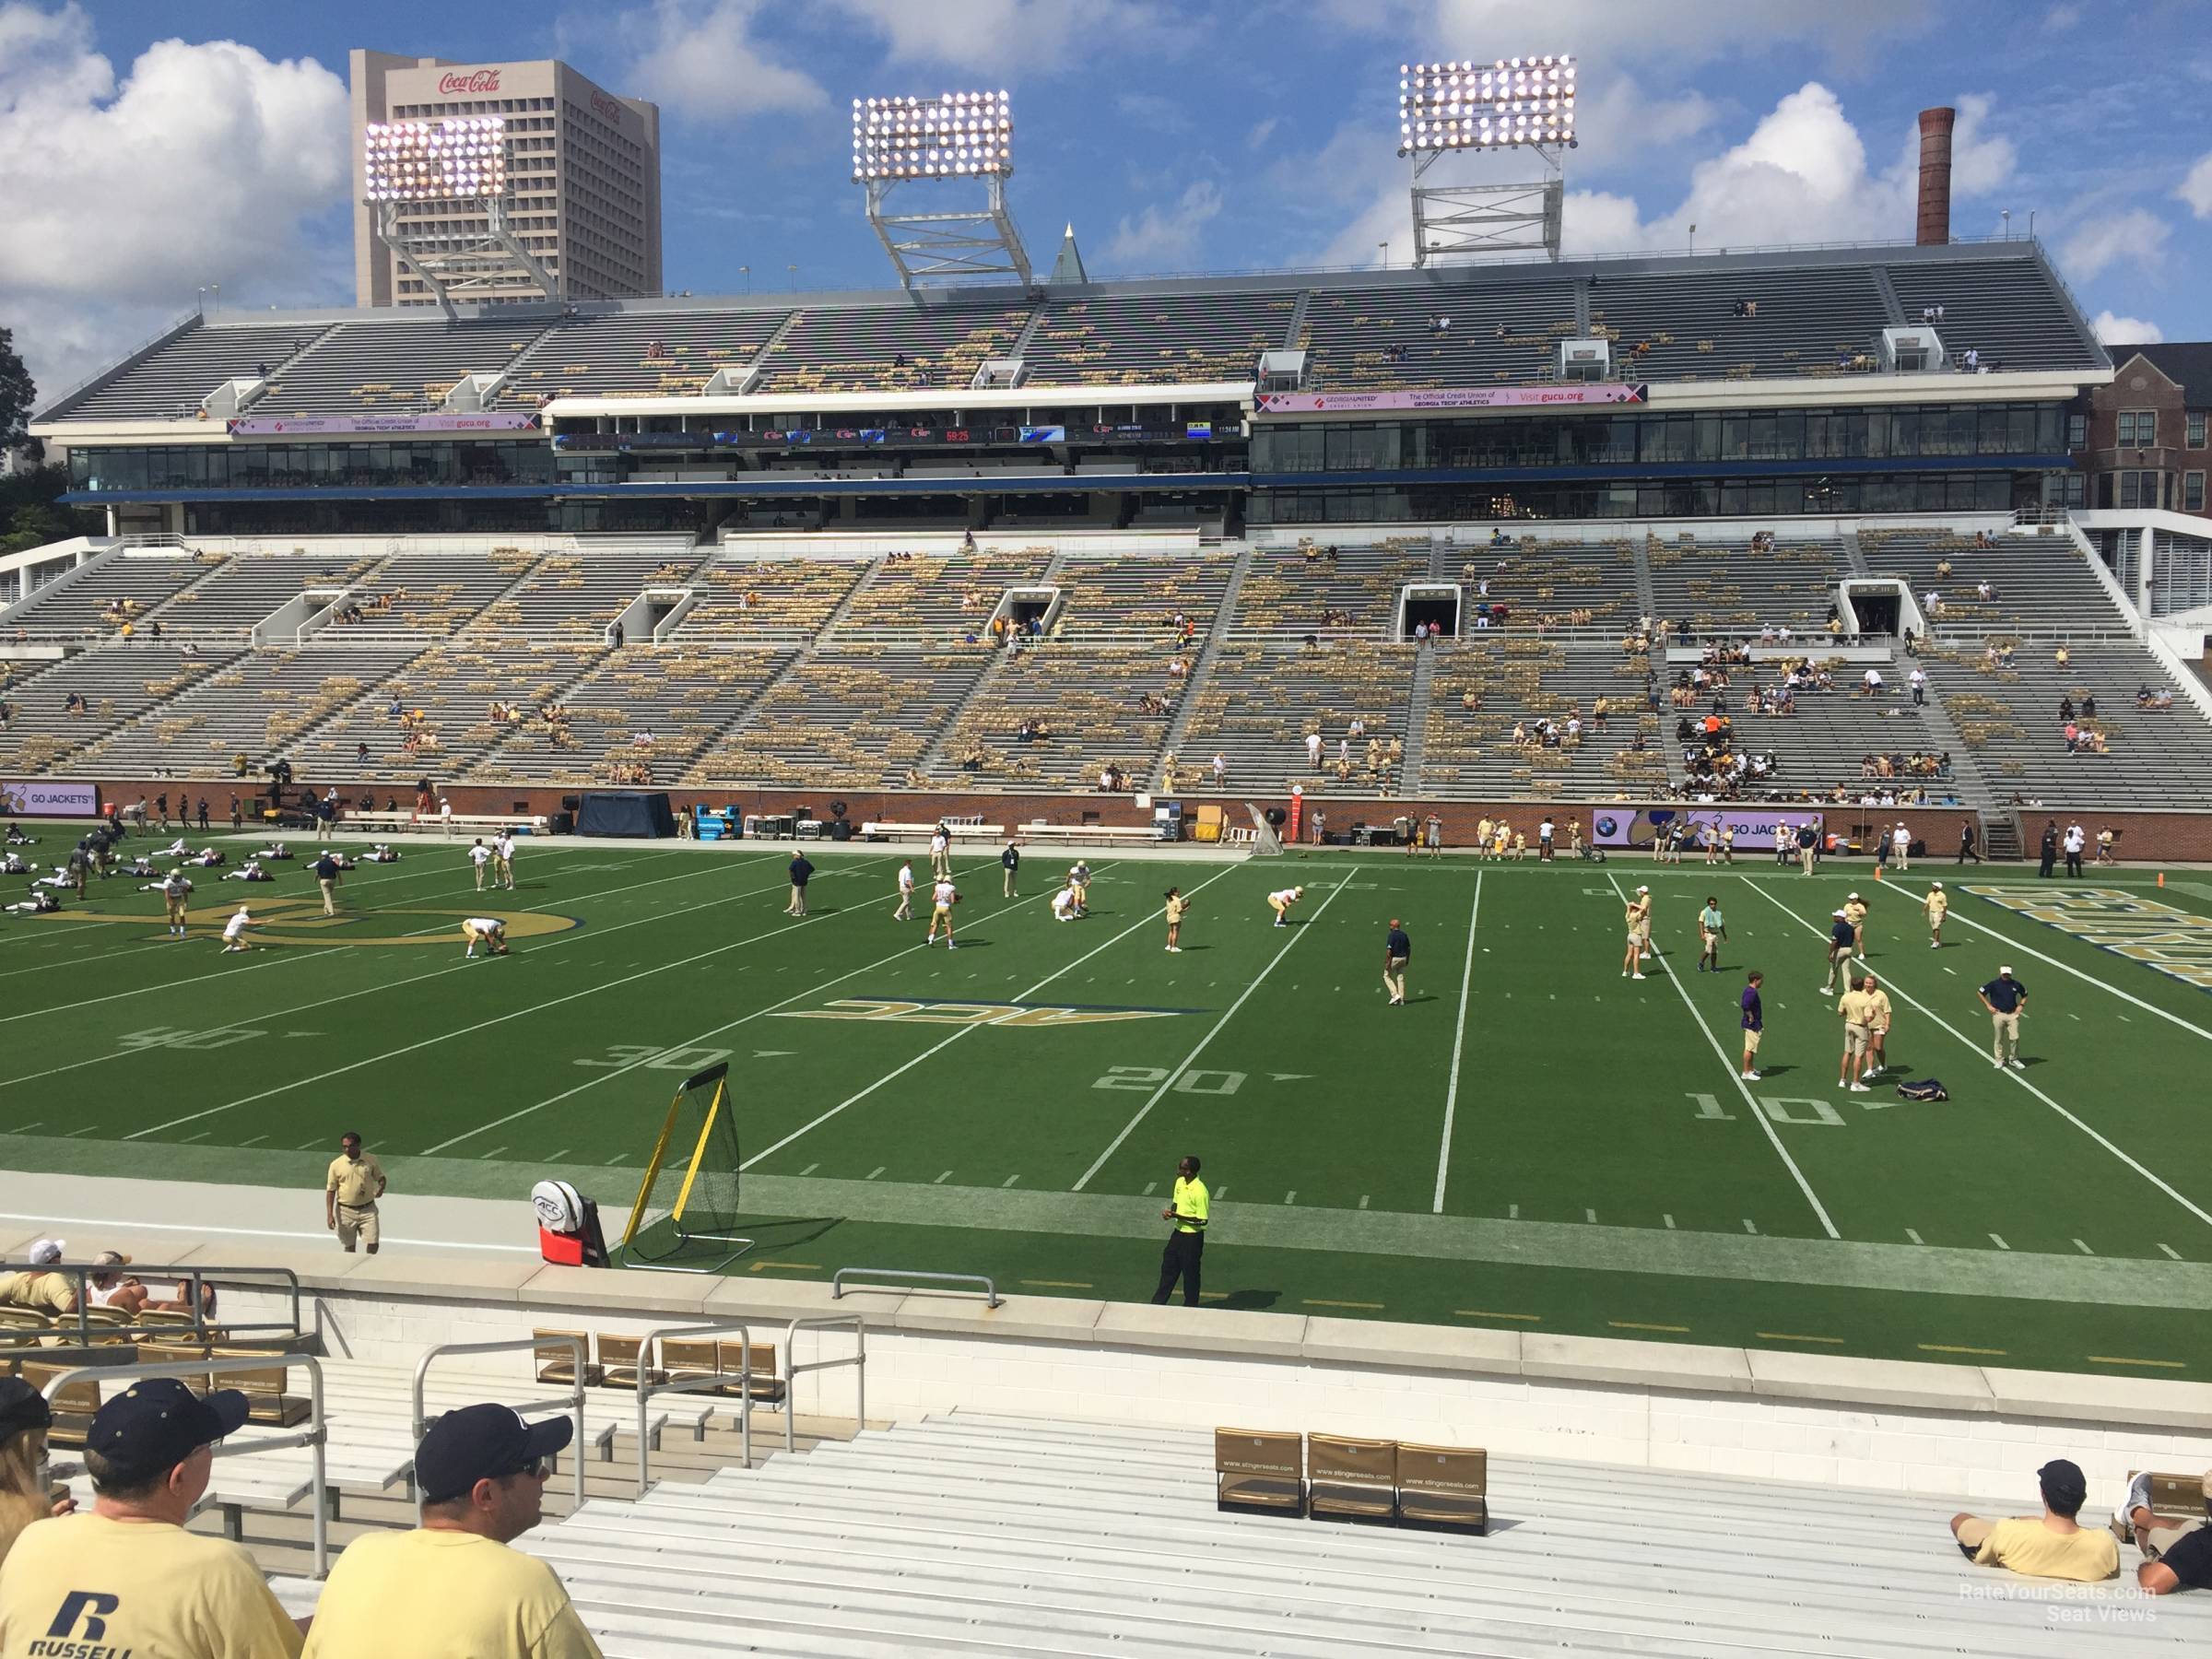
1857 1011
1638 918
1879 1015
2046 1546
1854 912
354 1181
1937 904
452 1589
37 1289
128 1578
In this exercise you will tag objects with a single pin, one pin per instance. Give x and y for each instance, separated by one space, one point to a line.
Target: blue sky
147 148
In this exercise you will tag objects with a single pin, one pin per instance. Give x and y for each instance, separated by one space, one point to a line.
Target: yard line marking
1913 1236
495 1152
1459 1038
1748 1227
2115 1359
1590 1216
941 1179
1221 1191
1362 1198
2083 1248
1946 1347
394 984
1669 1220
1786 1336
2171 1251
2125 996
1188 1060
202 1134
939 1047
1010 1179
555 1158
2159 1181
1290 1197
1998 1241
1057 1284
810 1169
27 1128
1728 1065
1315 1301
89 1127
251 1139
1486 1313
1512 1212
878 1170
1632 1325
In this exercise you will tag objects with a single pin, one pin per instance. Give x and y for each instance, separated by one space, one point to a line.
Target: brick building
2140 440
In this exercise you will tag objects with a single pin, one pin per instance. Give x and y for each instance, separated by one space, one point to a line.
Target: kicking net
1266 843
685 1215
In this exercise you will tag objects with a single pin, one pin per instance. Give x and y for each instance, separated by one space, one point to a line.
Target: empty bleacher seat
1260 1469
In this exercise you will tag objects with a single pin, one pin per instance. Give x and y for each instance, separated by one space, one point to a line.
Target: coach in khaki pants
350 1194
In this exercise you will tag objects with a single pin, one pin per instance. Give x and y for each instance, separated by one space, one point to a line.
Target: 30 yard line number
623 1054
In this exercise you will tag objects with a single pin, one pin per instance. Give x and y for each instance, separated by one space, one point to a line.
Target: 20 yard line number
623 1055
1145 1079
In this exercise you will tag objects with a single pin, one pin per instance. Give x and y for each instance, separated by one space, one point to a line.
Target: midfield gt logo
1025 1015
2175 942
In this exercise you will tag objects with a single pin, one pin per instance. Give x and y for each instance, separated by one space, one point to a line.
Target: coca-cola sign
604 105
469 80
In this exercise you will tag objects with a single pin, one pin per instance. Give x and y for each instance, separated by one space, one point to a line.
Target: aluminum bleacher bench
1259 1469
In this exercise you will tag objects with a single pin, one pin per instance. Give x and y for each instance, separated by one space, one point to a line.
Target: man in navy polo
2007 1000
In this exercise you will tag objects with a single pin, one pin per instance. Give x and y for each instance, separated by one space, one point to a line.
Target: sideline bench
1090 834
968 831
428 823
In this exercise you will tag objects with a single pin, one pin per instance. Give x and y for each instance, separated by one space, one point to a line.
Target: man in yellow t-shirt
452 1589
350 1189
1937 904
1856 1010
127 1578
2049 1546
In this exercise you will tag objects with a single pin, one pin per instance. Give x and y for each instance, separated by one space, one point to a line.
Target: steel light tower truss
1522 105
960 138
460 163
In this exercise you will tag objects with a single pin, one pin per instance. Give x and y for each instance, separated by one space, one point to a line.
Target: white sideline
1459 1038
1144 1111
1735 1076
2124 1158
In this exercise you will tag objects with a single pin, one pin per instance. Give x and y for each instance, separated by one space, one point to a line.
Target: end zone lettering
2175 942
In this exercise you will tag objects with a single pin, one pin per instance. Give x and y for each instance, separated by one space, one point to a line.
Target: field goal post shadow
695 1191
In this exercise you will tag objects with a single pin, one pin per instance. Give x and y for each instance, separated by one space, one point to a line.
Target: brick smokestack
1935 176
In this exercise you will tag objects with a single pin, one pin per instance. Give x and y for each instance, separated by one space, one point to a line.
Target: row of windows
1559 439
2138 429
475 106
2185 491
1709 498
289 466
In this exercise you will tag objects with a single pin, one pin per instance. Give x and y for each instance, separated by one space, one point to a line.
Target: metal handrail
81 1273
649 1346
990 1296
574 1403
858 1360
312 1436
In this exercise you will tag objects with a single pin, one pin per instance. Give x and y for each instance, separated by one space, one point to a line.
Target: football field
1532 1142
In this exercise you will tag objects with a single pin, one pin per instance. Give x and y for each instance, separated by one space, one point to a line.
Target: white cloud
2060 18
999 36
2137 235
1679 32
205 164
707 64
1164 238
2126 331
1261 132
2197 189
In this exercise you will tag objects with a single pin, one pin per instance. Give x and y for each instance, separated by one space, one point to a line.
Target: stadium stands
572 596
244 592
1732 587
845 717
1682 326
742 599
116 686
381 367
176 379
1262 697
856 348
641 716
138 581
945 598
1291 591
2007 308
445 723
1359 339
1084 703
1108 340
639 354
430 593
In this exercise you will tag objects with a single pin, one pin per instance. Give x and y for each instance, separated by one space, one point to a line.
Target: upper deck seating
1127 339
856 348
1351 334
640 353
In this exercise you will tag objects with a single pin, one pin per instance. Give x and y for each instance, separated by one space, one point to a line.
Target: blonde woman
25 1495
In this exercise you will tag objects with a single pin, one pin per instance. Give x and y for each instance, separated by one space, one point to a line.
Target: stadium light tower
464 245
957 139
1519 106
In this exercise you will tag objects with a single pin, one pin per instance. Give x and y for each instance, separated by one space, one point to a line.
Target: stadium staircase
277 371
971 1534
1417 720
987 684
1203 667
1887 291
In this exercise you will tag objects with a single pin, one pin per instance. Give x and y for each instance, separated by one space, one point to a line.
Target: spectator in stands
2049 1546
37 1287
149 1452
452 1589
2089 706
25 1497
2177 1555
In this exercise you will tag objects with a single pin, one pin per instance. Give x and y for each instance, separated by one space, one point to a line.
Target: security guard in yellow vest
1186 1244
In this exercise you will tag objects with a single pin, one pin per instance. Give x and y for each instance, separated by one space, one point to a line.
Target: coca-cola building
584 172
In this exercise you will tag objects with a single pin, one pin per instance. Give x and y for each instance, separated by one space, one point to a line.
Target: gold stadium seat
1259 1469
556 1361
1351 1479
1444 1487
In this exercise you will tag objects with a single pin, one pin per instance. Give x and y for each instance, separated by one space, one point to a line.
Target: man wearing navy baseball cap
451 1589
128 1578
2046 1546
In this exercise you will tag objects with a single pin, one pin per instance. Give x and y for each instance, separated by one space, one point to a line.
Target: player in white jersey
1063 904
234 930
488 931
1280 902
176 887
905 913
941 898
479 855
502 859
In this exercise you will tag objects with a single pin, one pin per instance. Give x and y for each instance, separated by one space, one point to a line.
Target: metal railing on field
837 1280
572 1402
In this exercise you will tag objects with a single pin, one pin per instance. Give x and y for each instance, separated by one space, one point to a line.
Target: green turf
1605 1171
